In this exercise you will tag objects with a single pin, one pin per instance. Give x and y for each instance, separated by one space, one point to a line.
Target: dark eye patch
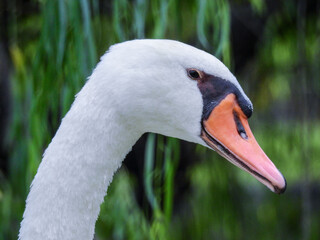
215 89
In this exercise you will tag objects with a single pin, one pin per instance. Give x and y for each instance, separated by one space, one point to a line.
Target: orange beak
227 131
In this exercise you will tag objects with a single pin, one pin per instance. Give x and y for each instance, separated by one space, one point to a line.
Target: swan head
171 88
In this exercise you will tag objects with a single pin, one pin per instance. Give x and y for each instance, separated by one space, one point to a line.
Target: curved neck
76 169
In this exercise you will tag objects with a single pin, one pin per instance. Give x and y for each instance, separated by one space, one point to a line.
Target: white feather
139 86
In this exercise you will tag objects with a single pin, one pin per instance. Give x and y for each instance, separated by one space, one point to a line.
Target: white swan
139 86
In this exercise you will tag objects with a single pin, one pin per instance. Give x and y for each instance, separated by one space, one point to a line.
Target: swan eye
194 74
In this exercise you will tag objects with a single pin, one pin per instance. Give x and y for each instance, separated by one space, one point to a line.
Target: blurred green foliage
55 49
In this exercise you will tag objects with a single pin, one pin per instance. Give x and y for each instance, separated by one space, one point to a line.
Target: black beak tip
280 190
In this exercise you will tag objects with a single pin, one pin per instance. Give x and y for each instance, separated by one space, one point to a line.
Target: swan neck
76 170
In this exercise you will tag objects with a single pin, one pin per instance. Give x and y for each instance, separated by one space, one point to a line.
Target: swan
159 86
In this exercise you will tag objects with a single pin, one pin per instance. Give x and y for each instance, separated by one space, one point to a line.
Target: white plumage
138 86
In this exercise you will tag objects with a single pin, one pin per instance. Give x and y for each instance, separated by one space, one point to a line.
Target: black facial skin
215 89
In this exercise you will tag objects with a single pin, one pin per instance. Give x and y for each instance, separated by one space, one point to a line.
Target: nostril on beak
243 135
240 128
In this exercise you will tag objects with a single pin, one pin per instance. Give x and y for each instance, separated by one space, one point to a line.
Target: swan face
177 90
